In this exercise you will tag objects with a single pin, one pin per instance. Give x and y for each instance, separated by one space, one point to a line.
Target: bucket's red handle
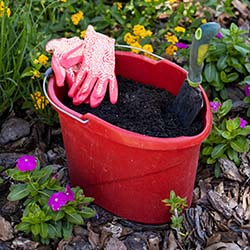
49 72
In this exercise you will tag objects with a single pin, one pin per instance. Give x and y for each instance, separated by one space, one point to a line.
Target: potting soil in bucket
128 173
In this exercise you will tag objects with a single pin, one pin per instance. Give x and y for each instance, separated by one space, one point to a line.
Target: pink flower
243 123
215 106
26 163
57 200
69 193
247 90
181 45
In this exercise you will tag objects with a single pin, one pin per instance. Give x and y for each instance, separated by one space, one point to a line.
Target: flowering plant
228 137
50 211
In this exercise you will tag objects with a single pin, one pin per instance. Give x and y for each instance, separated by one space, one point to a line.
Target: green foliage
227 138
176 204
227 60
38 219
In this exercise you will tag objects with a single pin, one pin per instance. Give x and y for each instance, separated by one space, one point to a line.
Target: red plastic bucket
127 173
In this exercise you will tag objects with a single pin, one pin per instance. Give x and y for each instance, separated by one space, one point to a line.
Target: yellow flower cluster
40 101
83 33
139 32
171 49
3 8
77 17
171 38
36 74
118 5
64 1
171 1
42 59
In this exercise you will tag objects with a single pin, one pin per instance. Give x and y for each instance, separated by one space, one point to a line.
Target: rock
23 243
8 160
5 246
10 207
6 230
14 129
136 241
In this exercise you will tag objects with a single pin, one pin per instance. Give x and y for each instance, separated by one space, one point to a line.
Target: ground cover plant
164 28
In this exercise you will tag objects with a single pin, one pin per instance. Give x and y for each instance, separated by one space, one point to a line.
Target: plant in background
247 97
49 210
177 205
227 61
228 137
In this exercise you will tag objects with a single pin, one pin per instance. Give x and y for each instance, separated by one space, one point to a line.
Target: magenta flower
180 45
247 90
26 163
219 35
243 123
69 193
57 200
215 106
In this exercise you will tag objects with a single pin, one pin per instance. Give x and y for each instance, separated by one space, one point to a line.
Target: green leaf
18 192
23 226
243 51
207 150
210 160
222 62
232 124
209 71
67 230
75 218
217 171
228 77
218 151
44 230
225 108
233 155
88 212
55 230
247 66
58 215
240 144
227 135
35 229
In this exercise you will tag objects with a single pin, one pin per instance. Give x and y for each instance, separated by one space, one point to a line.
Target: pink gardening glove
59 48
97 71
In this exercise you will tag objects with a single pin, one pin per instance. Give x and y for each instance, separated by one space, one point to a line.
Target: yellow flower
8 12
64 1
137 45
180 29
171 38
145 33
118 5
36 74
77 17
171 49
138 29
83 33
40 101
129 38
171 1
203 20
42 59
148 47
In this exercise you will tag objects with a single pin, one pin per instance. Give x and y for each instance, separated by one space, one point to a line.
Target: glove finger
98 93
85 90
76 86
70 77
113 90
73 57
59 71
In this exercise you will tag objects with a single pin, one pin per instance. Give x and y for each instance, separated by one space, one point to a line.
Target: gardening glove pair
90 68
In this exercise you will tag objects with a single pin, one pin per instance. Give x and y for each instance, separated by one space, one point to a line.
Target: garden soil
142 109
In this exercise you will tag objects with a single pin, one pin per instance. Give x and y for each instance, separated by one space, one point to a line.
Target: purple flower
215 106
219 35
243 123
69 193
181 45
57 200
247 90
26 163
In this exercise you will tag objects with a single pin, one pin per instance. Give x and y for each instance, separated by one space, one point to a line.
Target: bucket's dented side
128 173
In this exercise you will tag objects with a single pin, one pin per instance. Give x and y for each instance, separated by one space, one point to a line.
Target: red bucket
128 173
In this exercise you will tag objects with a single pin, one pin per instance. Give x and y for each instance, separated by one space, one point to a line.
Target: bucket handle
49 72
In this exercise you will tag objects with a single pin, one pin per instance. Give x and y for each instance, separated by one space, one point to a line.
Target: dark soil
142 109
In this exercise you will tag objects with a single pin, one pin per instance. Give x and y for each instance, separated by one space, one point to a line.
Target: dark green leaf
67 230
240 144
44 230
242 50
222 62
18 192
35 229
75 218
218 151
88 212
209 72
23 226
